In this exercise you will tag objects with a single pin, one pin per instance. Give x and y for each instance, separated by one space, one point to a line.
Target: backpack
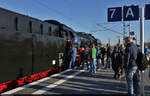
141 61
98 54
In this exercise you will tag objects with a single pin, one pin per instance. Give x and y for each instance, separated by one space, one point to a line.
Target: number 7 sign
114 14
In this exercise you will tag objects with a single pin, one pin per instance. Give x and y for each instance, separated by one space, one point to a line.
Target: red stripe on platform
27 79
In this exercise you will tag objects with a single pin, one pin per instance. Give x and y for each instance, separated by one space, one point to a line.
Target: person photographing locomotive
131 68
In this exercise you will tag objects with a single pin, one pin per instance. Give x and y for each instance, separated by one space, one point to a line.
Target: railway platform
77 82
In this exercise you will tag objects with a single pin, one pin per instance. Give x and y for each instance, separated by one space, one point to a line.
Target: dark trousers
83 63
108 62
103 56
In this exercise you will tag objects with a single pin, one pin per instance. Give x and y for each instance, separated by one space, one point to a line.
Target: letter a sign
130 13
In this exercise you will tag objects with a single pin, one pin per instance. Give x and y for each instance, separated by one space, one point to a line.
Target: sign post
142 45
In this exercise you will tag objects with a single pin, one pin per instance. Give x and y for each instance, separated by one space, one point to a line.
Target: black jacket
116 60
109 51
130 55
103 51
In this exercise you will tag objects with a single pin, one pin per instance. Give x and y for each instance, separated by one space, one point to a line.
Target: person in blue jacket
73 52
131 68
146 50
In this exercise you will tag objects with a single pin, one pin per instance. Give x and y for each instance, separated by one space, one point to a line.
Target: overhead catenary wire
110 29
58 12
114 25
106 28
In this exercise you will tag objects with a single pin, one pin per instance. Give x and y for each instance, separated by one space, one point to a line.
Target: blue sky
81 15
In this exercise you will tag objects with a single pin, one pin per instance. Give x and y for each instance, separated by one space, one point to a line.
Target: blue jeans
92 65
132 80
72 63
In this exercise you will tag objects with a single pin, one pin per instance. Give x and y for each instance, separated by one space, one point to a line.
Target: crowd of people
121 58
97 57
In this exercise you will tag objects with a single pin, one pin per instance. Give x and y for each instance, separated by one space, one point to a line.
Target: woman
116 61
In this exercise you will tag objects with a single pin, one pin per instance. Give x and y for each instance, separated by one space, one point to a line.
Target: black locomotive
29 46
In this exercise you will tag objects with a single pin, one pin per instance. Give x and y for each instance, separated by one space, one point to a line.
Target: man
67 53
131 69
98 57
82 54
122 61
92 53
103 54
108 56
73 52
84 57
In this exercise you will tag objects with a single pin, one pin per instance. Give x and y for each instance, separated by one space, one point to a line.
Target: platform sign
130 13
114 14
147 11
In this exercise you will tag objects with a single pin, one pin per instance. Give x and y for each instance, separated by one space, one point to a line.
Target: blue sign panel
114 14
130 13
147 12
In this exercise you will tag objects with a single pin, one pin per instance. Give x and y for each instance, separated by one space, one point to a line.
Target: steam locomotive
29 45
